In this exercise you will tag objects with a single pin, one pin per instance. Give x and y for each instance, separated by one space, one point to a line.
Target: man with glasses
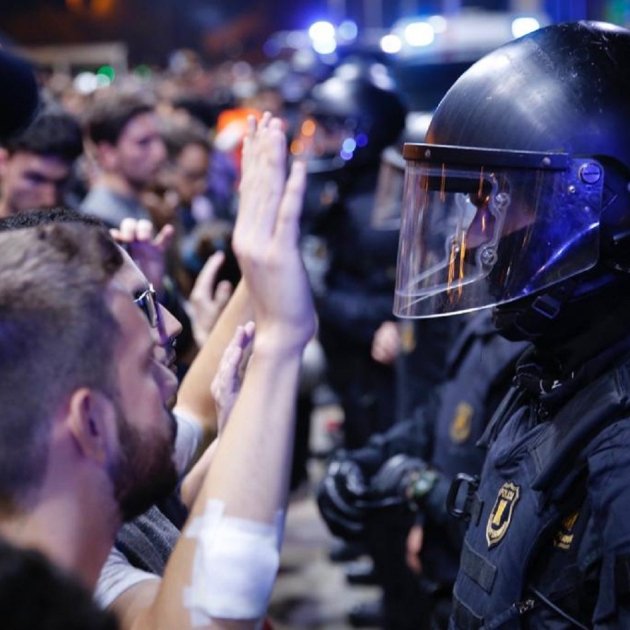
247 482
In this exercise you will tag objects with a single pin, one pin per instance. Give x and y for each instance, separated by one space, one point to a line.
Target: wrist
278 342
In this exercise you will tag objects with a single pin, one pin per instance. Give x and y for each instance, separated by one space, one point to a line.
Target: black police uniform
519 200
359 283
356 301
444 434
548 544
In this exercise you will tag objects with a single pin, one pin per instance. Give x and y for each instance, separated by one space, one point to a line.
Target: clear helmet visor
389 191
490 227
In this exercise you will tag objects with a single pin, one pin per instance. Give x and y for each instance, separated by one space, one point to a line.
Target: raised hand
147 249
205 304
266 238
227 382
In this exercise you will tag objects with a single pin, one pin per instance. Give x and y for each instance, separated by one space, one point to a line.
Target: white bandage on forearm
235 565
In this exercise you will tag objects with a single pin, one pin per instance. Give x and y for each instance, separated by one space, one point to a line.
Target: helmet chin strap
531 318
562 310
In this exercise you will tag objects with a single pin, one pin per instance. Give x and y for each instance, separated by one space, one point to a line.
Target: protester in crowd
265 242
123 139
36 164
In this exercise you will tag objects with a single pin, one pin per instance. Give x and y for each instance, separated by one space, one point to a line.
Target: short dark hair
54 132
177 136
107 118
57 334
60 214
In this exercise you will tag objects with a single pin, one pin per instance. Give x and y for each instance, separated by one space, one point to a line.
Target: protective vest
481 363
548 540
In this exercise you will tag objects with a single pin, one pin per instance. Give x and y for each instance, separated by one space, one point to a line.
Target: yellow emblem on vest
501 514
407 336
462 423
564 536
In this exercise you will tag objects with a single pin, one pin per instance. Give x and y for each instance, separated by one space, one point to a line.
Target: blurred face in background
31 181
190 173
139 153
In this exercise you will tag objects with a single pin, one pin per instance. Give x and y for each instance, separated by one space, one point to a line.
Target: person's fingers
273 168
288 223
229 361
250 329
246 153
164 237
414 563
415 539
127 230
223 293
144 230
202 289
377 352
264 121
254 181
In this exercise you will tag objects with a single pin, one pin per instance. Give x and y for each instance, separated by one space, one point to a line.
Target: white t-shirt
117 574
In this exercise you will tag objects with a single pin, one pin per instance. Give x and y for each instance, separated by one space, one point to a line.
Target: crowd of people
170 250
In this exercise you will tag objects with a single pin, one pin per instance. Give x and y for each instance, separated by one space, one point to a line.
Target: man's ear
91 419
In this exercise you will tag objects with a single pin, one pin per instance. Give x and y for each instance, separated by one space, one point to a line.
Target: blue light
345 155
349 145
324 46
391 44
321 30
348 30
419 34
322 36
362 140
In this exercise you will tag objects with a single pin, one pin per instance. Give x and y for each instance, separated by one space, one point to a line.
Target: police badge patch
461 424
501 514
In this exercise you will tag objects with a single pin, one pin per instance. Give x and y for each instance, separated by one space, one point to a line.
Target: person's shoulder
117 576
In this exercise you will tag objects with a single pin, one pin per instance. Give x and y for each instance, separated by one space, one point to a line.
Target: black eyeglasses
147 301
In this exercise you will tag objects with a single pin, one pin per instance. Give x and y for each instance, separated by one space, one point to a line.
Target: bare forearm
253 458
194 396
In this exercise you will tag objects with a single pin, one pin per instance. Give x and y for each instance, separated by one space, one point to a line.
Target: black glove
394 478
339 497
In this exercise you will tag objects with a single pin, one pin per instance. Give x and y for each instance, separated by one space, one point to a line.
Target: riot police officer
370 490
351 118
520 200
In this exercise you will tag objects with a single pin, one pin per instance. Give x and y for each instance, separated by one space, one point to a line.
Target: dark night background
220 29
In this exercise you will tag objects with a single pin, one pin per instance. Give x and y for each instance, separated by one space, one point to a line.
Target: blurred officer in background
351 118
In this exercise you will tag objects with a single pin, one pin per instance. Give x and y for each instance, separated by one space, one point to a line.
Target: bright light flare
523 25
391 44
419 34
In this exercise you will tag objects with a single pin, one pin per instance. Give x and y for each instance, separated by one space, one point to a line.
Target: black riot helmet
359 112
519 197
19 97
